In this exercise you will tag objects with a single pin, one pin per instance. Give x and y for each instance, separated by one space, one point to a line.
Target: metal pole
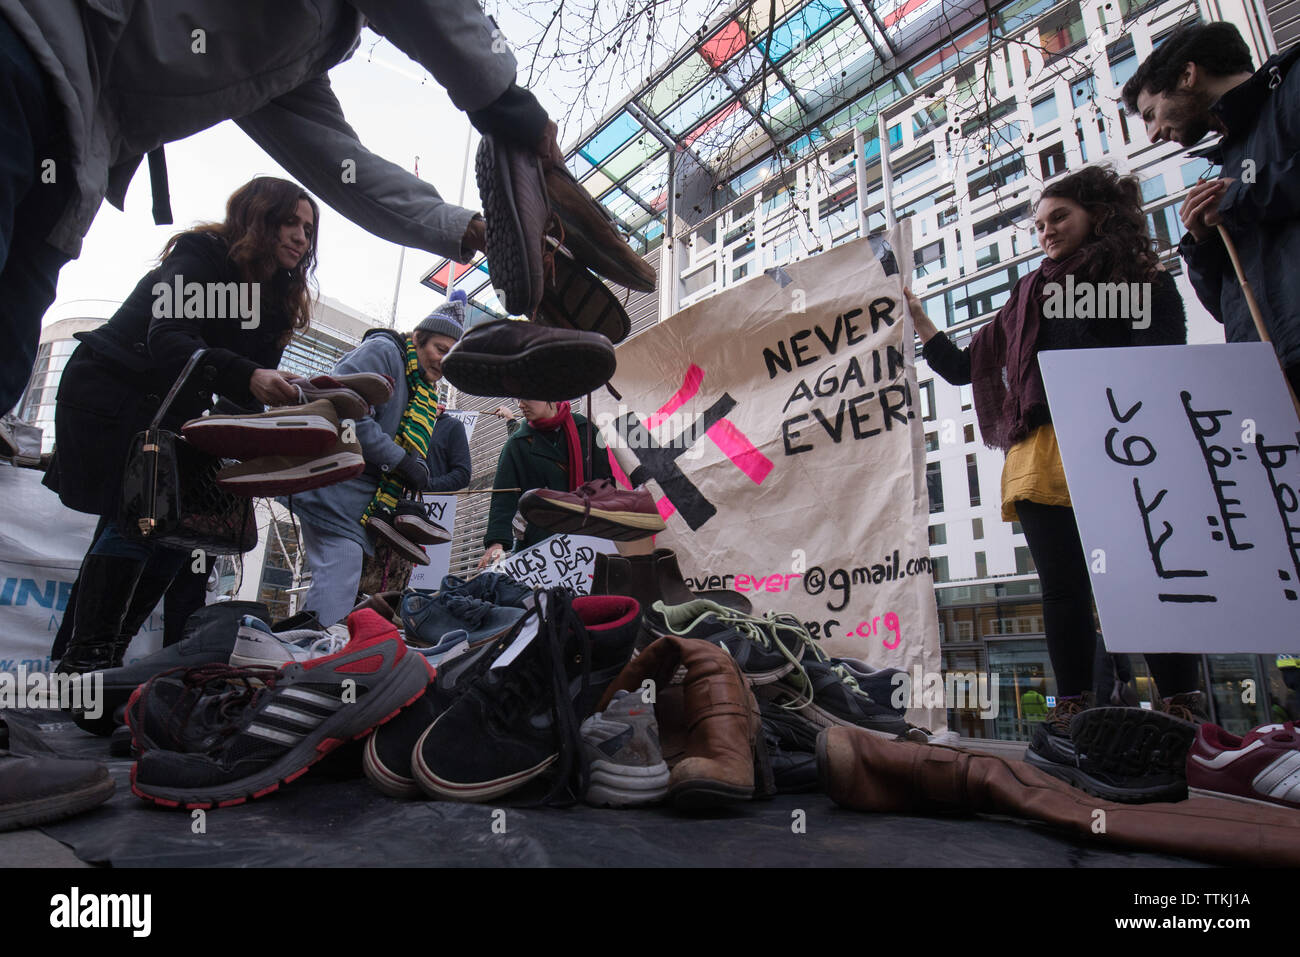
886 177
460 200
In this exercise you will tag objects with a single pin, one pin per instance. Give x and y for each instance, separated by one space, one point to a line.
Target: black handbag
170 494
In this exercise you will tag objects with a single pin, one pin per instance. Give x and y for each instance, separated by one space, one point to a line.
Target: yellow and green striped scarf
413 433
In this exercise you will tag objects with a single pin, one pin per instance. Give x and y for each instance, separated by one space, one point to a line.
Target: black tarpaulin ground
332 817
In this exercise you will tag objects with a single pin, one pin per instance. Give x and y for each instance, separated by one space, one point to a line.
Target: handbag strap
176 388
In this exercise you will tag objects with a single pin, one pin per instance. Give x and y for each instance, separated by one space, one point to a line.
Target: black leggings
1053 540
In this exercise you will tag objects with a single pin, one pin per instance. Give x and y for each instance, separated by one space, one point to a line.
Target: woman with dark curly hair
264 253
1091 226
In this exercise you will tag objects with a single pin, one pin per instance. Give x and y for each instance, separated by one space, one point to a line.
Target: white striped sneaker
1263 767
256 646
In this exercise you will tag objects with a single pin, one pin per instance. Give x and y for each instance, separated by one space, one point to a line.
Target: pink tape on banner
741 451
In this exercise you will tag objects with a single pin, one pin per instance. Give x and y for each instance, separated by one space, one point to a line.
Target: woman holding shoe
116 379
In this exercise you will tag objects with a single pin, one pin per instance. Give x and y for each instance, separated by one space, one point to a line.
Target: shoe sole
420 532
506 239
1081 779
57 806
581 301
301 478
385 778
437 787
701 795
398 542
613 785
544 372
555 516
1241 799
251 439
408 680
1132 741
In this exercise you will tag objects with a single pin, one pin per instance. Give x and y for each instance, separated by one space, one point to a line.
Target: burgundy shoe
293 430
598 508
1261 768
415 521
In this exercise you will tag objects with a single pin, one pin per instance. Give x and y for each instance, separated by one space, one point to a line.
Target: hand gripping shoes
710 728
521 717
304 711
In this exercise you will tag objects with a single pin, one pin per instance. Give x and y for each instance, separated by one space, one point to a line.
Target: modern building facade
768 141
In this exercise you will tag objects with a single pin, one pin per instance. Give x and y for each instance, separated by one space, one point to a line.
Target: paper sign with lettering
1184 465
778 427
567 560
429 577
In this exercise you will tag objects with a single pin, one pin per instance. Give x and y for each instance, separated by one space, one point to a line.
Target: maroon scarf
564 418
1004 358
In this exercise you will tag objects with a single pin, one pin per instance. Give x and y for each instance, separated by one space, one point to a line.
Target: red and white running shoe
1261 768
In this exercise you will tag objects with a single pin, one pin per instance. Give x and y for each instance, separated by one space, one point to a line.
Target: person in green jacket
551 449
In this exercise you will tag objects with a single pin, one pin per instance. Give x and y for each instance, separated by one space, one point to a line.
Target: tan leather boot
712 725
864 772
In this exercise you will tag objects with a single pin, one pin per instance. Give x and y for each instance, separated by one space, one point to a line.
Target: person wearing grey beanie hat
447 320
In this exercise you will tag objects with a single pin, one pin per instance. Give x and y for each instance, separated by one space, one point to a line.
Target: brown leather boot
865 772
715 735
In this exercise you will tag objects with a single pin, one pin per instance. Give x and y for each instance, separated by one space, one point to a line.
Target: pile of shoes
293 448
545 237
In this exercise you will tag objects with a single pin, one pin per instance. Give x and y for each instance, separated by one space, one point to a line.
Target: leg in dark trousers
1053 540
187 593
1175 674
70 610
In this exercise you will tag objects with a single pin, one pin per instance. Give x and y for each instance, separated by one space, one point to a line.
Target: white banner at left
41 547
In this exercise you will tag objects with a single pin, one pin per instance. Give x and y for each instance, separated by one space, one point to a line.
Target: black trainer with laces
1050 747
1130 755
520 718
766 647
387 758
827 695
300 714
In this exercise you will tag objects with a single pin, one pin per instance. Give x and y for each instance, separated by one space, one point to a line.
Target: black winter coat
1261 210
118 376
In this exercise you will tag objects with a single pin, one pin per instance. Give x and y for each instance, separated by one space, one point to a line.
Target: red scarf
1004 358
564 418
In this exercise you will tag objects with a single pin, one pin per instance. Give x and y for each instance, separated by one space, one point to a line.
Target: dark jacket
118 376
338 508
529 460
1262 118
1168 327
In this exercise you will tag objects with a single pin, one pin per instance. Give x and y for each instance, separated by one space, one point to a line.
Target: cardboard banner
778 426
1184 468
41 547
567 560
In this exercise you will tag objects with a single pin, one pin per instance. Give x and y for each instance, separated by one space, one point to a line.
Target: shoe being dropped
305 711
621 745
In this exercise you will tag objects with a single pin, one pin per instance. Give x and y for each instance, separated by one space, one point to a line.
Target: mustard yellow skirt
1034 471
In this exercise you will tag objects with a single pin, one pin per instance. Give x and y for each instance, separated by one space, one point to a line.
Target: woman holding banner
1092 229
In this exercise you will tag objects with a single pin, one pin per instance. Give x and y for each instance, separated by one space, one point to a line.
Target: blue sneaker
429 618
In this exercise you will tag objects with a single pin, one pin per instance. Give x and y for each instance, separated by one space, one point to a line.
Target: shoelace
230 703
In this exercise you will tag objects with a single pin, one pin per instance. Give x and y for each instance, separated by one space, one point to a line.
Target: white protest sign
567 560
777 426
41 547
1183 464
